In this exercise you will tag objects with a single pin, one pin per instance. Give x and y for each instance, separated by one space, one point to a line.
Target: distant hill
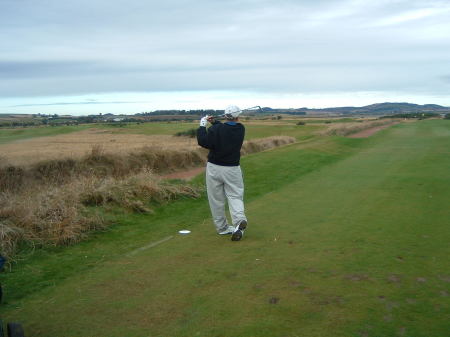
373 109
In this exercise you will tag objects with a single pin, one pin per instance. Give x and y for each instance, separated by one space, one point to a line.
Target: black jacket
224 142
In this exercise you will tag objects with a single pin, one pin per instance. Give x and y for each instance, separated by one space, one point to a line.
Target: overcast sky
91 56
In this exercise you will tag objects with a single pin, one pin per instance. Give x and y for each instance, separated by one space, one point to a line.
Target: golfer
223 173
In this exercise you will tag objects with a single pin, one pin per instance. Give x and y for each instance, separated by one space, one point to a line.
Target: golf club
246 109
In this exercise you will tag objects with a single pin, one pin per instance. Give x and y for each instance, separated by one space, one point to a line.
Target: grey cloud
43 69
61 48
287 79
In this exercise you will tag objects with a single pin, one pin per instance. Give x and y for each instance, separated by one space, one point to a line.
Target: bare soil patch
357 277
394 278
184 175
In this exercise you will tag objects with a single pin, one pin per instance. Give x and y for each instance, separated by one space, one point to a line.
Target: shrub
191 133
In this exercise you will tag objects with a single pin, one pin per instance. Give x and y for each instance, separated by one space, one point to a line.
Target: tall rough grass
100 164
263 144
345 129
60 215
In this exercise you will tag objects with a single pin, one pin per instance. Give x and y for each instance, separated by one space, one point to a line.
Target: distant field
346 238
257 128
254 128
30 145
78 144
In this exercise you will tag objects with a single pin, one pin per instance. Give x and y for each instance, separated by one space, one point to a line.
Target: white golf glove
204 121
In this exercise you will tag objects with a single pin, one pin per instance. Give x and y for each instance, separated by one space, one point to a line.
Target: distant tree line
419 115
12 124
181 112
93 119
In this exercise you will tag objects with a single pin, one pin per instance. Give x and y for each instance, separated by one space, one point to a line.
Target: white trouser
225 183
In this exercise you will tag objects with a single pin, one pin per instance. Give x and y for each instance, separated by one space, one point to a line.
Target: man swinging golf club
223 173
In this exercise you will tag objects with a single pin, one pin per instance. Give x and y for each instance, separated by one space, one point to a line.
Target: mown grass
134 228
344 240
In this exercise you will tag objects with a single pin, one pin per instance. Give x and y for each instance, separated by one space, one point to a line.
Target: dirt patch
274 300
257 287
371 131
185 175
336 300
394 278
357 277
444 278
391 306
295 284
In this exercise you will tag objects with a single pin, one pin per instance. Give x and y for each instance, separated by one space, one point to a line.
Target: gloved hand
204 121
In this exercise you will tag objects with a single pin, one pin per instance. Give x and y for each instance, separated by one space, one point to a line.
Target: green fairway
254 130
10 135
347 237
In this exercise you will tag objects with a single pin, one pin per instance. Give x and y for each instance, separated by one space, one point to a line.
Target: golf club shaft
246 109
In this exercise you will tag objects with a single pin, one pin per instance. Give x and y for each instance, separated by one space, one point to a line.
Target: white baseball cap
232 111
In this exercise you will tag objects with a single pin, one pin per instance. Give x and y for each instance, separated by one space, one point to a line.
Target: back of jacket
224 141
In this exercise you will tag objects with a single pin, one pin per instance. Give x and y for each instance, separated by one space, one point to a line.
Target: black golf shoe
239 231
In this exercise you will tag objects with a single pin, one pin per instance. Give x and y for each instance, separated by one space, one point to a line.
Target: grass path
340 244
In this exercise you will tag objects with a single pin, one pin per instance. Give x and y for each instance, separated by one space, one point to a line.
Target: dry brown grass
345 129
100 164
263 144
130 192
78 144
50 215
60 215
